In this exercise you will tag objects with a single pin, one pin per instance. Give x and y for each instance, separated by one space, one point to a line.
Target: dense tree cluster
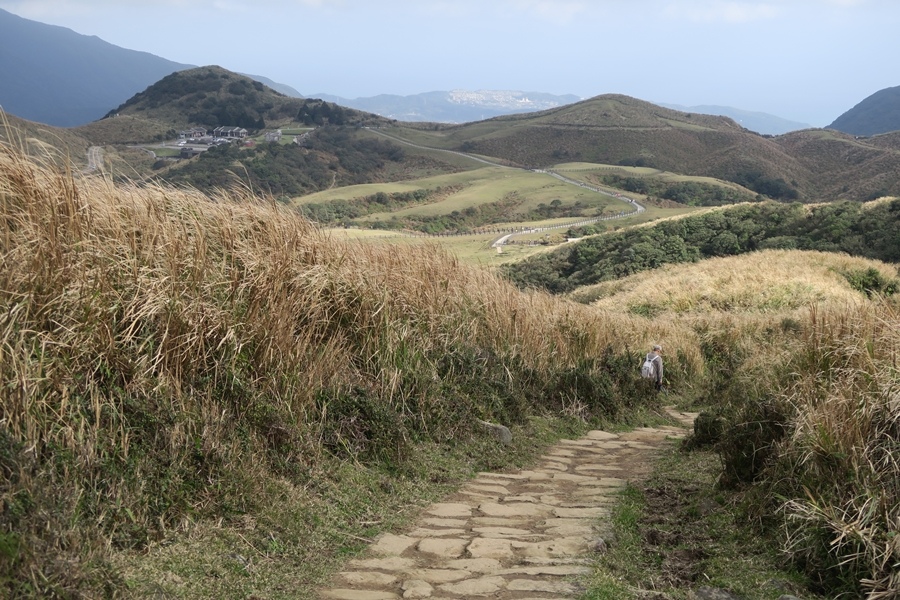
868 231
331 157
344 211
691 193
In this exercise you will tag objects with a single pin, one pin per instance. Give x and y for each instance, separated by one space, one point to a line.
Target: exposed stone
392 545
511 535
516 509
562 547
367 578
416 588
436 522
601 435
498 532
475 587
449 510
500 432
393 563
474 565
358 595
435 576
490 548
443 547
490 489
556 570
430 533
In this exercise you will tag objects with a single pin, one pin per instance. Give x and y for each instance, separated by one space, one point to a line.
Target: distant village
190 139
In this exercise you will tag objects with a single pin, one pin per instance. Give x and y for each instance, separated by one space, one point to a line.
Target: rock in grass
500 432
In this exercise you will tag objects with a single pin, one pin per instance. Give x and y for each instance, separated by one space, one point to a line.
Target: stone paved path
510 536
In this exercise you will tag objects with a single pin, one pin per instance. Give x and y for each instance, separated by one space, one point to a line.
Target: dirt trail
511 536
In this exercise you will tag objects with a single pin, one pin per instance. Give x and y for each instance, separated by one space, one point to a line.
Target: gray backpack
648 369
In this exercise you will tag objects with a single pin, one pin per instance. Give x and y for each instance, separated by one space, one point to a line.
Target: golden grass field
185 379
772 281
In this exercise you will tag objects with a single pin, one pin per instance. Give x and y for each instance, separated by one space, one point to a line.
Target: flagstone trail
511 536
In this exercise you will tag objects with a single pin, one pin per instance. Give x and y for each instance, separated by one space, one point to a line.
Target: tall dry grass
801 367
163 354
839 467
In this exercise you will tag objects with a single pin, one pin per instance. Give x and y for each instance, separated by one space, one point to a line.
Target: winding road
638 208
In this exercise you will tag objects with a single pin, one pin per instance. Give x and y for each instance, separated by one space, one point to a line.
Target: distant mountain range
759 122
56 76
456 106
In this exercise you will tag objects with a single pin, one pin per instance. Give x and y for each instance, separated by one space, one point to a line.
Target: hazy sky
804 60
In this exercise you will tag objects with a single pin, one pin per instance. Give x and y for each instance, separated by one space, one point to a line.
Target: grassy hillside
619 130
799 391
764 281
62 146
172 362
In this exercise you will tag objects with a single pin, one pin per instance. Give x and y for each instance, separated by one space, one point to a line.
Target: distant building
273 136
194 133
230 132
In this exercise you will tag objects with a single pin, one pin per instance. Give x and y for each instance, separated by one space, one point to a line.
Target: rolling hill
878 113
809 165
49 63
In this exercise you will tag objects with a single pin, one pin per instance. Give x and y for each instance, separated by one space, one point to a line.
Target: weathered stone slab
358 595
473 565
483 586
566 460
503 531
574 477
490 548
516 509
601 435
416 588
443 547
556 570
513 476
422 532
499 522
392 545
561 547
436 576
494 490
450 510
437 522
392 563
367 578
596 467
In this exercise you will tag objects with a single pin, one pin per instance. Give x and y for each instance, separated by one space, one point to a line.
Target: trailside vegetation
169 358
867 230
800 397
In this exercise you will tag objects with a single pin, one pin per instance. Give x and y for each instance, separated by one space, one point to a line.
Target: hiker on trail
653 367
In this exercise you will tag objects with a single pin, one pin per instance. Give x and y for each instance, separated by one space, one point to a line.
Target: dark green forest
867 231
